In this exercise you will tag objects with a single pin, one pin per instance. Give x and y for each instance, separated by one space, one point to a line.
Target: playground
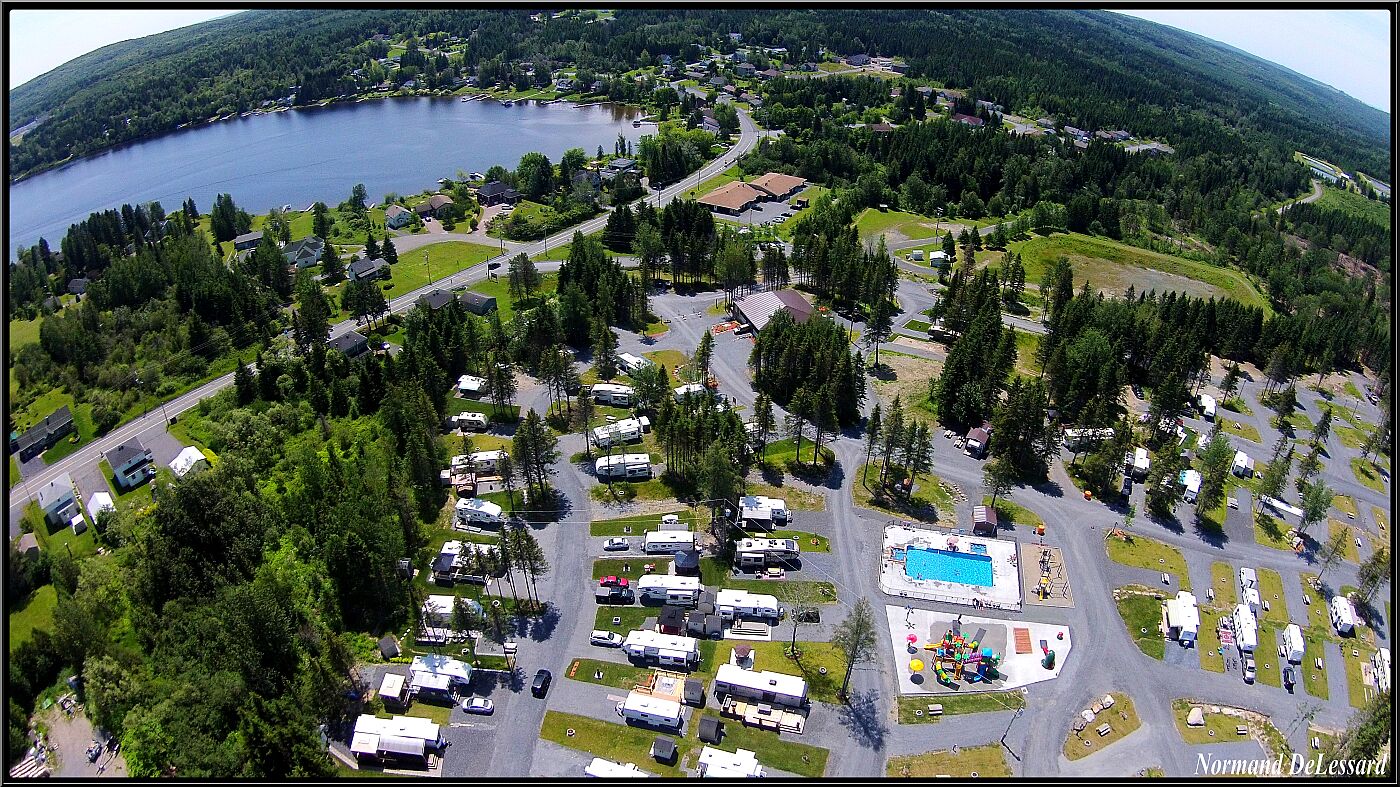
1043 572
953 568
939 653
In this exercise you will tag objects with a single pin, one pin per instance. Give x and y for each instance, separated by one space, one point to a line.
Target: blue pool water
961 567
979 549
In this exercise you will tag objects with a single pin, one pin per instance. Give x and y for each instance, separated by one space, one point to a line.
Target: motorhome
668 588
625 431
757 511
486 462
647 709
632 363
471 387
774 688
623 466
1343 616
477 512
1141 463
1293 645
1243 466
1190 481
1249 589
1246 628
666 649
741 603
668 542
1208 407
759 552
612 393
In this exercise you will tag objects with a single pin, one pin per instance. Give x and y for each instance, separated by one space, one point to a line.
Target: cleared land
1143 552
980 761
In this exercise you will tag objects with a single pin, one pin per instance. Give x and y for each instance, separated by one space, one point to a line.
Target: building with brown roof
757 310
733 198
777 185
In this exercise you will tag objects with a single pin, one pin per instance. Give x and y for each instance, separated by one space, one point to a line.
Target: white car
616 544
1358 543
478 705
670 520
1249 670
606 639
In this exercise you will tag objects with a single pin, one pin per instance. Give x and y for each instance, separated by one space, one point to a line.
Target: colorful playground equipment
956 657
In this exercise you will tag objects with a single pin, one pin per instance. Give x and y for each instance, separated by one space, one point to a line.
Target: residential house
78 286
752 100
432 205
880 128
42 436
131 464
397 217
1077 133
733 198
617 167
304 253
899 68
496 193
710 124
968 120
977 441
745 70
769 73
351 343
717 82
369 269
564 84
57 502
247 241
858 60
436 299
586 178
476 303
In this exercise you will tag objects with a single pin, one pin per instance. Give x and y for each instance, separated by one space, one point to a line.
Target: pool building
953 568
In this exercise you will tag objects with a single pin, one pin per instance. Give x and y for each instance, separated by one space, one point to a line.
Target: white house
624 465
760 511
1183 617
666 649
668 541
1190 481
395 737
396 216
185 461
131 464
1208 407
624 431
1343 616
681 591
612 393
732 603
1293 645
649 709
472 387
487 461
755 552
690 389
1246 628
720 764
1243 466
457 562
600 768
1249 589
631 363
477 512
56 500
99 502
774 688
437 610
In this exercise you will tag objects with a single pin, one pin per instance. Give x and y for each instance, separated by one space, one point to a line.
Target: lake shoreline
358 98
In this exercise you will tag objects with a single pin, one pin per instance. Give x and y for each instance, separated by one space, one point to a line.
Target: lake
400 145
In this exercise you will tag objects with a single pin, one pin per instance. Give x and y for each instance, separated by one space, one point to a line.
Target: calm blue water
401 145
961 567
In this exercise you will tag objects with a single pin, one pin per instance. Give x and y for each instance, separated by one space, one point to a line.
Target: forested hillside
1095 69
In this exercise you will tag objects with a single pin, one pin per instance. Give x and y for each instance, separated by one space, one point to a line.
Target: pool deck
1017 669
1004 593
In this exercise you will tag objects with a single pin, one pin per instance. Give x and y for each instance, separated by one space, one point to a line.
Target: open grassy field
443 260
1222 580
1111 267
620 676
1345 504
24 332
1357 691
1271 593
1143 552
1142 614
1354 204
1367 473
773 750
633 568
1208 638
1027 344
1314 680
1122 720
640 524
873 221
500 290
1271 531
616 742
1247 431
36 614
980 761
632 618
958 704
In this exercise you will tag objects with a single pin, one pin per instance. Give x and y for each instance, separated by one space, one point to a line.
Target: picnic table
1103 729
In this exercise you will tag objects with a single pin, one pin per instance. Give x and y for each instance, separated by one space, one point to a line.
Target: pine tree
872 436
371 247
389 252
604 350
244 385
332 268
704 353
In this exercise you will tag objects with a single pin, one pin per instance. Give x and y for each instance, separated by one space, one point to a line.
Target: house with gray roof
368 269
304 253
56 500
351 343
131 464
42 436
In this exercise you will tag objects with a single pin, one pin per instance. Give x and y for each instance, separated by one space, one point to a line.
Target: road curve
28 488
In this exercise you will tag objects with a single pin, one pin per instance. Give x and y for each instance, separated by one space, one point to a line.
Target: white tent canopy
186 460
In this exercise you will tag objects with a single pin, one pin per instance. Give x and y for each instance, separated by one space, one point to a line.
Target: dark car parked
541 685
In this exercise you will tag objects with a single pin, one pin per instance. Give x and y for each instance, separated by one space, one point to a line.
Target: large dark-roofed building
43 435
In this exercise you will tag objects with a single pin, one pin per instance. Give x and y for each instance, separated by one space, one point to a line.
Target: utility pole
427 265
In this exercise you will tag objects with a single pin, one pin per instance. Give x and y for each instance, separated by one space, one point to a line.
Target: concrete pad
1016 669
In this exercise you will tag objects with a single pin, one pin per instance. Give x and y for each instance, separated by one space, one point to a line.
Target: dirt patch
905 376
69 738
1113 278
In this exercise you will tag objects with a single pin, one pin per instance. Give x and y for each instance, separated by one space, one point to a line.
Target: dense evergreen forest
1093 69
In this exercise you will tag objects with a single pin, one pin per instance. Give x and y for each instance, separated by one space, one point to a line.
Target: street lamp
428 266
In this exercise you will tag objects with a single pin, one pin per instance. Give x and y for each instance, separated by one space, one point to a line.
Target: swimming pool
960 567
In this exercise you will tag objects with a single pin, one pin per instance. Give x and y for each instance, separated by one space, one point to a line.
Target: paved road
91 453
1313 197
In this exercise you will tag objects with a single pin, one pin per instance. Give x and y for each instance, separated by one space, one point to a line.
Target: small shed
671 620
388 647
687 562
694 694
663 750
29 544
711 729
984 521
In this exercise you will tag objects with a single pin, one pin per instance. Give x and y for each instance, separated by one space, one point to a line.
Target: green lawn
500 290
439 714
560 252
1350 553
1221 725
673 360
797 499
616 742
644 523
1271 592
917 325
928 492
1345 504
620 676
873 221
36 614
1027 345
783 453
1314 647
1142 612
1357 692
1111 266
1366 473
773 750
959 704
1271 532
1208 638
772 656
1266 667
632 618
809 542
1122 718
14 471
1238 405
24 332
1011 512
1223 580
614 566
1247 431
443 260
985 761
507 414
1142 552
